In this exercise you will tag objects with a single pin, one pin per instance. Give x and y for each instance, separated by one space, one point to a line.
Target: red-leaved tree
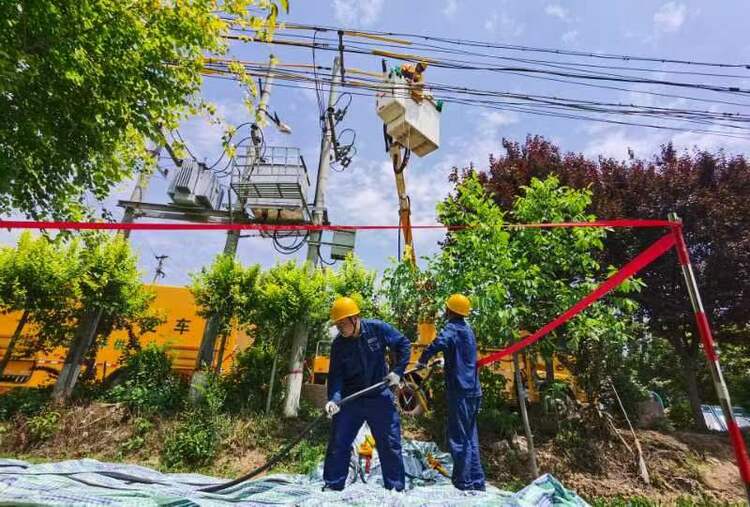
710 191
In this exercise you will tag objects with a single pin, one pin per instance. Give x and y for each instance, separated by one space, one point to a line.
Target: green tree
85 83
477 261
224 290
409 297
522 278
352 279
708 190
34 277
291 298
108 287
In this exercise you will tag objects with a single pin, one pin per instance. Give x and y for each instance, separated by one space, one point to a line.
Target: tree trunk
84 337
272 382
205 358
13 341
691 382
220 358
521 397
296 361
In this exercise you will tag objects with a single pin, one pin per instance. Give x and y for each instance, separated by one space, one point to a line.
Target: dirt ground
679 463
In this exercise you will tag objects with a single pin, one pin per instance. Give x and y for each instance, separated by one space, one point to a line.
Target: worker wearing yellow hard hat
358 361
464 395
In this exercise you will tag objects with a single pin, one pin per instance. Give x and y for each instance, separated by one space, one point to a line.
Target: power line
520 48
543 113
669 114
560 64
457 65
438 87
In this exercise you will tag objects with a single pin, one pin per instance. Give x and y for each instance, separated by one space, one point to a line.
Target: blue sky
365 192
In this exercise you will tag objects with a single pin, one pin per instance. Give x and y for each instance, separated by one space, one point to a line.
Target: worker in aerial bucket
463 393
357 362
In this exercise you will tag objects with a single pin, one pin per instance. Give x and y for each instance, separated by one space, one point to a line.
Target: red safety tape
161 226
740 451
656 250
704 330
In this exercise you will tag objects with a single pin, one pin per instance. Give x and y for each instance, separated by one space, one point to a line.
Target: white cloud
357 12
569 36
615 142
493 119
504 25
451 6
670 17
557 11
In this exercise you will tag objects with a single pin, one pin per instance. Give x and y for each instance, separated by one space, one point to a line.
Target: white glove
331 409
393 379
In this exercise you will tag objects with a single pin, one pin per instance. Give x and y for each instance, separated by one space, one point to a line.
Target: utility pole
141 186
301 329
324 165
208 342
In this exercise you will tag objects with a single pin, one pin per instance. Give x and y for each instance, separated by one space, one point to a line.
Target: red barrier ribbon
161 226
656 250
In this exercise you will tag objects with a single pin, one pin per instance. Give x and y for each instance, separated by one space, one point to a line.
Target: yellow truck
180 333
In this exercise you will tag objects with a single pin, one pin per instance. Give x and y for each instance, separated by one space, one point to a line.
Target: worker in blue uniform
357 362
464 394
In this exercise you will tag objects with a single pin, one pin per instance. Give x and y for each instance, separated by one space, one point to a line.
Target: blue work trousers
381 415
463 440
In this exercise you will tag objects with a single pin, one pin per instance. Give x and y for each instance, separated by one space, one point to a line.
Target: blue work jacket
358 362
459 347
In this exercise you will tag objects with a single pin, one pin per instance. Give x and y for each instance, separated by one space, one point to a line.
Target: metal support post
709 348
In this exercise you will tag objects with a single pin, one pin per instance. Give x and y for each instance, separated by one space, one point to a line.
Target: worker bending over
357 362
464 395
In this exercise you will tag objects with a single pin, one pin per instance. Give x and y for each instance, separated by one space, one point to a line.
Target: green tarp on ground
93 483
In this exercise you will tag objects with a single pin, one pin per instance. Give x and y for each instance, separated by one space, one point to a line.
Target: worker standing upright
357 362
464 394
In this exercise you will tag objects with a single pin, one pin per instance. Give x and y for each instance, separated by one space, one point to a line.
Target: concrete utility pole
301 330
324 165
208 342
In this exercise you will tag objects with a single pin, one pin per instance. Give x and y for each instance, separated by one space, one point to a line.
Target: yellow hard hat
460 304
344 307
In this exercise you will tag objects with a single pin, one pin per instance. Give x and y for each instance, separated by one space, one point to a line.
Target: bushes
24 401
247 384
42 426
495 414
196 438
150 386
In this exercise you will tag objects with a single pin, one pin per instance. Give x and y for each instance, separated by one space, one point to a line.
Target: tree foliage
352 279
225 289
287 293
58 281
520 279
85 83
35 278
707 190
